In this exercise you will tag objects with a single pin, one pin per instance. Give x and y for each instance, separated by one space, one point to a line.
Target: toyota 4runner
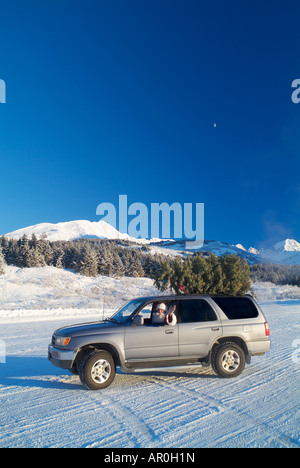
221 331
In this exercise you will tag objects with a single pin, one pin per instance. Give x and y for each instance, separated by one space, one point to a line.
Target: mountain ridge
284 252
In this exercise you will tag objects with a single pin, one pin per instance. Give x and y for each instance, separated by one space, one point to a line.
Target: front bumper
63 358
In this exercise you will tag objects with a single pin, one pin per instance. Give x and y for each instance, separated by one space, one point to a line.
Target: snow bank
53 288
38 293
269 292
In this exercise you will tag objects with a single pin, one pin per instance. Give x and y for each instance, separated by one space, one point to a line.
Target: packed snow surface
43 406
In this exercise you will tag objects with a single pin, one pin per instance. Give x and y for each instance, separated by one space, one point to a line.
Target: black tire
97 370
228 360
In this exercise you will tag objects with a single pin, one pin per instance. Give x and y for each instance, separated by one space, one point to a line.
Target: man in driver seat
164 315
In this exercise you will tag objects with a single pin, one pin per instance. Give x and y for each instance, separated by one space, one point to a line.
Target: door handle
169 332
215 328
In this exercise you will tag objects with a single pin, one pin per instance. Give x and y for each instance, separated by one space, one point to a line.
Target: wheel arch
101 347
232 339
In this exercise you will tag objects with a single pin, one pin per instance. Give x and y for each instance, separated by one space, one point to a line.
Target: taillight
267 329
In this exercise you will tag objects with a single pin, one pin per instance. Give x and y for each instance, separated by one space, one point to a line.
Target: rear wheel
97 370
228 360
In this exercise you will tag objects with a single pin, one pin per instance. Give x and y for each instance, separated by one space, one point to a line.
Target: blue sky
120 97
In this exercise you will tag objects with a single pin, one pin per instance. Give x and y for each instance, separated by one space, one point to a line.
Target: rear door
199 327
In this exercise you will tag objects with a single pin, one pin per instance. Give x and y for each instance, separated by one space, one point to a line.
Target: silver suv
221 331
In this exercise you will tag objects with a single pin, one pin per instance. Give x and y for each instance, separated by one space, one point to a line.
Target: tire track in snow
138 433
220 406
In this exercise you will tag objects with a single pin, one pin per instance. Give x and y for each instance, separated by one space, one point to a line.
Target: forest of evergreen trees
205 275
91 257
277 274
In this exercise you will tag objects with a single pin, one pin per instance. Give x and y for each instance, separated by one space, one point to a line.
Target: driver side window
148 312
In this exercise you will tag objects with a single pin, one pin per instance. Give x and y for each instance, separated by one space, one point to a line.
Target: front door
150 341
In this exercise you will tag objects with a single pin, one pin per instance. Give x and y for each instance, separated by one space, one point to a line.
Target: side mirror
138 320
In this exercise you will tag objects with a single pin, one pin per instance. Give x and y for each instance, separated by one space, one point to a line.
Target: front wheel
228 360
97 370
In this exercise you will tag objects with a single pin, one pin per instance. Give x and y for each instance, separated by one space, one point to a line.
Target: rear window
237 307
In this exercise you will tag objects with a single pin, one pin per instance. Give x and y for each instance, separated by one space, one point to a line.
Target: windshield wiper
110 319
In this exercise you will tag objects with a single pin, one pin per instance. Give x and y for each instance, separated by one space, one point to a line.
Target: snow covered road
42 406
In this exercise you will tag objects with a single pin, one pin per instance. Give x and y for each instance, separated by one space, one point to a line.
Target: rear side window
237 307
196 310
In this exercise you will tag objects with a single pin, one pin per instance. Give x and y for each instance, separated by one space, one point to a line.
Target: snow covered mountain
286 252
212 246
70 230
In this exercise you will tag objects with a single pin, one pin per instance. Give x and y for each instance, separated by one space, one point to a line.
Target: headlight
62 340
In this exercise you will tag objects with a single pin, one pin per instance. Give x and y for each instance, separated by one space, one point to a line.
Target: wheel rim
101 371
230 361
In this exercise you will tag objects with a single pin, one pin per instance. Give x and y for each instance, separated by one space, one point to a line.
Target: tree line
229 274
201 274
276 274
89 257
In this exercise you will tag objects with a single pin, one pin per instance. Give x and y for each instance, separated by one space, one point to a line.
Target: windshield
122 315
